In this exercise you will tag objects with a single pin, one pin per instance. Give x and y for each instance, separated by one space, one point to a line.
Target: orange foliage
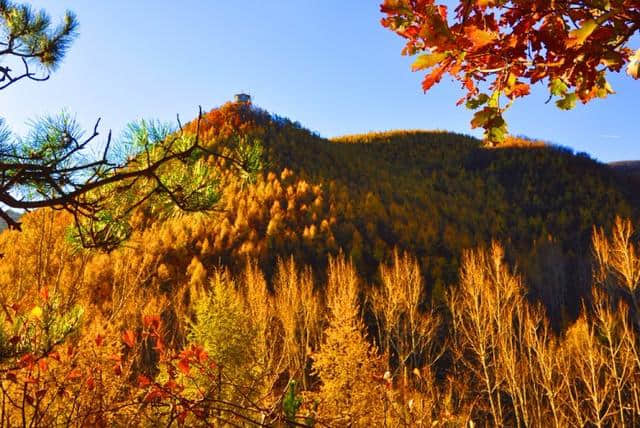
135 361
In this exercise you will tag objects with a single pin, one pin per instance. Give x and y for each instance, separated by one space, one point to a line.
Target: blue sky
326 63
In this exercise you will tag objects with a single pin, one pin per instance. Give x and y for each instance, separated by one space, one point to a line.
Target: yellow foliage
298 310
268 320
352 392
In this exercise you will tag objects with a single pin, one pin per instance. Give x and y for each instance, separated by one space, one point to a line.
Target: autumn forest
238 269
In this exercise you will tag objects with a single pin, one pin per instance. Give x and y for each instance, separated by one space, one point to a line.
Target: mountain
245 299
433 194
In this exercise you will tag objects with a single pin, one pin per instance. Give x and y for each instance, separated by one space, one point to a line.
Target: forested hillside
298 275
431 193
630 168
239 270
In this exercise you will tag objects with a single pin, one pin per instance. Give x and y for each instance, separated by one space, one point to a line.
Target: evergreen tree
30 42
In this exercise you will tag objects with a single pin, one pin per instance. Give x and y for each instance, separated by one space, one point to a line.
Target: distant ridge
632 166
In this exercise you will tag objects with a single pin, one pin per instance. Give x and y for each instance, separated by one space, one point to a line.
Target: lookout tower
242 98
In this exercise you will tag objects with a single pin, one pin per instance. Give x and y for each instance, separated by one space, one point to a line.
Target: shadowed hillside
437 193
627 167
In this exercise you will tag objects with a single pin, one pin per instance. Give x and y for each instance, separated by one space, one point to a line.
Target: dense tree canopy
498 48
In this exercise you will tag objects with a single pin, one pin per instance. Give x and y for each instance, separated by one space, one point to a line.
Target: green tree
225 329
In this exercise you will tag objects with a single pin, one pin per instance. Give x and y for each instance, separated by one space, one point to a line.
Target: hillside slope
433 194
436 194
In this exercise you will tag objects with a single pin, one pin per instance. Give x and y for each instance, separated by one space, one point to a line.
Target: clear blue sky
326 63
